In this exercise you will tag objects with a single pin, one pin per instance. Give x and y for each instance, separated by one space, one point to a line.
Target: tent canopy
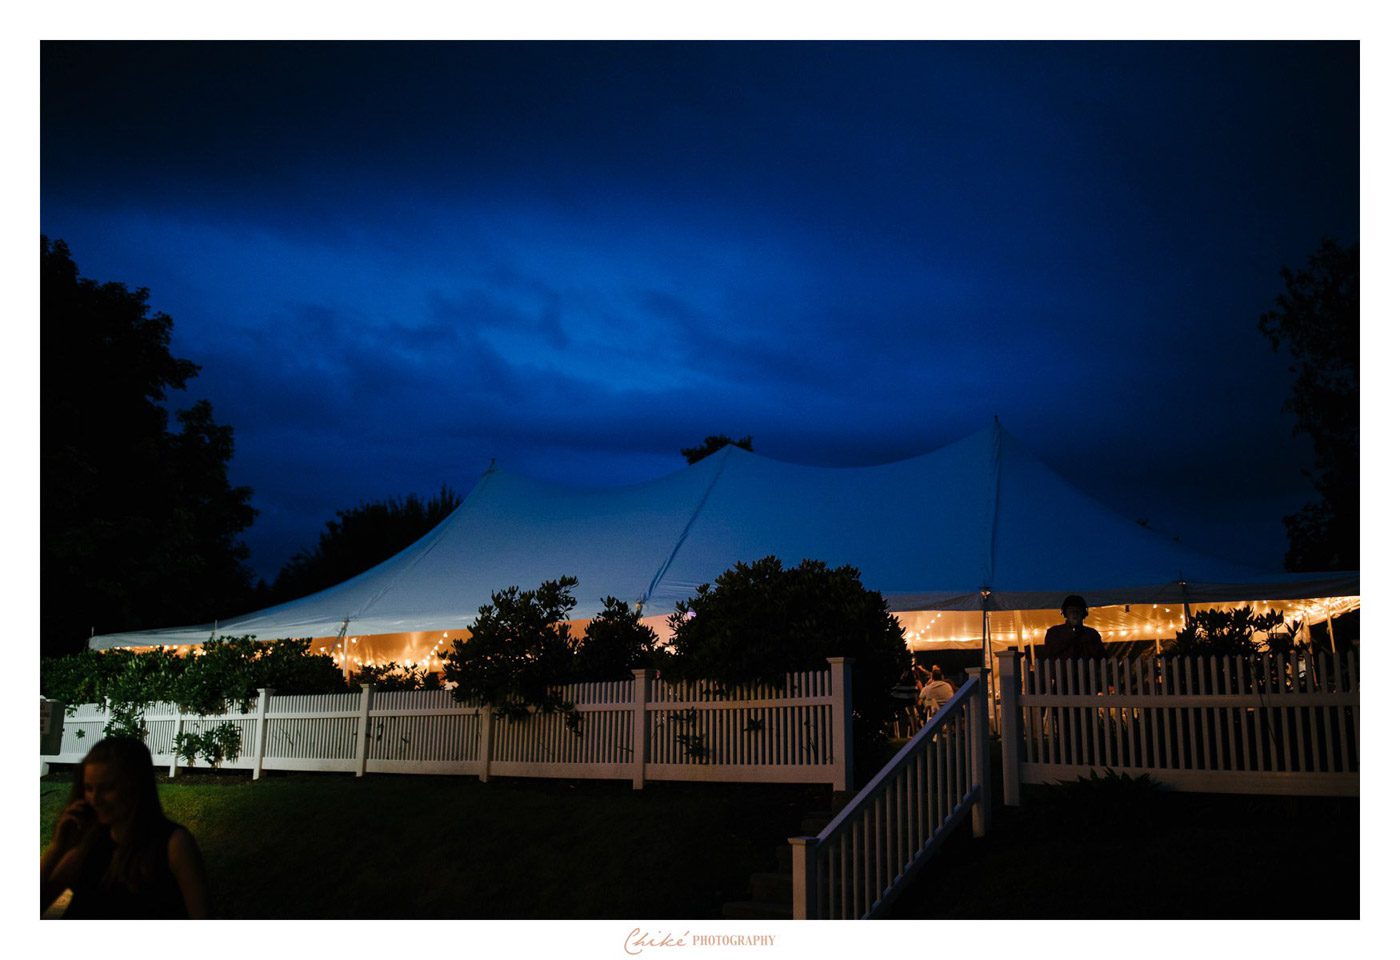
931 533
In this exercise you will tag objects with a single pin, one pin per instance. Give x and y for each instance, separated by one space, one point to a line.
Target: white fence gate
1278 724
640 729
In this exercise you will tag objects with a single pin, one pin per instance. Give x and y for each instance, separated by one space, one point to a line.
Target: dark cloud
396 261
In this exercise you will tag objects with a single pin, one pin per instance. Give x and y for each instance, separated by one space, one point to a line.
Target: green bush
1107 802
289 666
519 651
615 643
216 744
760 621
230 670
226 670
108 676
1225 633
392 676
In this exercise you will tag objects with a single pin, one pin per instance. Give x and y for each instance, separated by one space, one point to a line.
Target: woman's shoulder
180 838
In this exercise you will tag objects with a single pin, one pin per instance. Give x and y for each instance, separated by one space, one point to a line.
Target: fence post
641 693
977 759
1008 668
804 885
362 748
483 745
260 731
843 743
175 742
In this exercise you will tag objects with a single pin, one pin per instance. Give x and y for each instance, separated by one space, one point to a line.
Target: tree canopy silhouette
360 538
1319 318
714 445
139 526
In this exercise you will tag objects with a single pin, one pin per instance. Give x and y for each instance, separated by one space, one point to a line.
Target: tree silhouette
358 539
1319 318
714 445
139 526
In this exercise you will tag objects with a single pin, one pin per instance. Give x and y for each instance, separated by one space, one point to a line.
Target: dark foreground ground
333 846
1091 852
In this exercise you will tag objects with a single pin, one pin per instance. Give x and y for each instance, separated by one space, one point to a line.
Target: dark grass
1112 852
334 846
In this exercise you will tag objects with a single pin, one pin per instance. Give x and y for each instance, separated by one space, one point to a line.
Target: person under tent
1073 639
936 692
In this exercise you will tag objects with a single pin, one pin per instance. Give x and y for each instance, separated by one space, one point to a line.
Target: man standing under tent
1072 639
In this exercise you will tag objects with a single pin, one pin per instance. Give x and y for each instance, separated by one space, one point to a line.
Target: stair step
757 910
771 887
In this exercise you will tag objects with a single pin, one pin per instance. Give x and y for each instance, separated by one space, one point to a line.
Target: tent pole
344 651
987 671
1018 618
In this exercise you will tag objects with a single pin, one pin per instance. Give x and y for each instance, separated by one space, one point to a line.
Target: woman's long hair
142 852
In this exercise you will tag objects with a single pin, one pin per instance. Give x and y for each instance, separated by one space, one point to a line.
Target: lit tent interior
979 524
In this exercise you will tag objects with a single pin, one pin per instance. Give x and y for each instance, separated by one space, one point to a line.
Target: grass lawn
333 846
330 845
1112 853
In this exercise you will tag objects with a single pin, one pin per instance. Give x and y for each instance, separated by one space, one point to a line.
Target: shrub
289 666
1224 632
229 669
518 651
83 677
216 744
222 673
615 643
760 621
1107 802
125 720
392 676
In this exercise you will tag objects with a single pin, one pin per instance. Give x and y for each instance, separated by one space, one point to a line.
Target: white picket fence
862 860
640 729
1275 724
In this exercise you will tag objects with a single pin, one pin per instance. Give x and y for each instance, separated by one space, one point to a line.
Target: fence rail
861 861
1276 723
640 729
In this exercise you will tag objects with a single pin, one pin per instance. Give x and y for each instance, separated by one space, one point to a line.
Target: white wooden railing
1278 724
639 729
861 861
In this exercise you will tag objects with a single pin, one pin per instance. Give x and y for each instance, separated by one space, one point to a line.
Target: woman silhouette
115 849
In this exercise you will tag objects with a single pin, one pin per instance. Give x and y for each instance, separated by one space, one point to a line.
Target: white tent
980 524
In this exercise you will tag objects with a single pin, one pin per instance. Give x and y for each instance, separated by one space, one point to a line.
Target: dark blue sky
395 262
